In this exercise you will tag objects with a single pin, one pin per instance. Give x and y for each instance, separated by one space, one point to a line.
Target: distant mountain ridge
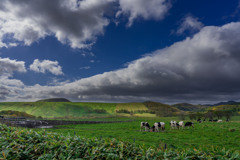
225 103
54 100
189 107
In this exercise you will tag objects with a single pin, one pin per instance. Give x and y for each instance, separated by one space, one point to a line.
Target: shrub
99 111
17 143
123 111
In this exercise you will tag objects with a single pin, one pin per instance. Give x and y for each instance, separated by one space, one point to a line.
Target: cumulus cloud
72 22
8 87
204 67
8 66
46 66
191 24
150 9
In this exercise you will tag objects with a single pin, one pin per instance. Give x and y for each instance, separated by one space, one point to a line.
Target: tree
228 115
192 116
219 114
182 116
199 115
209 115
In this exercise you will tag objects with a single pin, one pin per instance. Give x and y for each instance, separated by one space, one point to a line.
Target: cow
157 125
219 121
1 117
213 120
188 124
173 124
144 125
199 120
180 124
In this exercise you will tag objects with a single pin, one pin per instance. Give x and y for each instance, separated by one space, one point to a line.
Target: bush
99 111
123 111
17 143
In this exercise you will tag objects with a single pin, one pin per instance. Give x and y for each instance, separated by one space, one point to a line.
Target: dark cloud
72 22
203 68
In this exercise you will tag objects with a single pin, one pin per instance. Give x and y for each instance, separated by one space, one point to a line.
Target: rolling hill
50 109
189 107
54 100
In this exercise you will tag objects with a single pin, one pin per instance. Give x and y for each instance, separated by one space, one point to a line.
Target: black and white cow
180 124
157 125
145 126
199 120
173 124
1 117
189 124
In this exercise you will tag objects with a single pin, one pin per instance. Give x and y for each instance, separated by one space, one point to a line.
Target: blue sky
120 50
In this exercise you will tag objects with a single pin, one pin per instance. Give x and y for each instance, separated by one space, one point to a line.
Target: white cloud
74 22
204 67
146 9
46 66
9 87
8 66
191 24
86 67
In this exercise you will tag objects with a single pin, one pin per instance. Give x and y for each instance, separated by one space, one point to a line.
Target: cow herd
157 126
144 126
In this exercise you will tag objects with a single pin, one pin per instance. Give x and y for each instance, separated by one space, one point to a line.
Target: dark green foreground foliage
16 114
18 143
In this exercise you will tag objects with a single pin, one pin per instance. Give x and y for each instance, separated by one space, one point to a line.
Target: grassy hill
54 100
161 109
235 108
189 107
86 109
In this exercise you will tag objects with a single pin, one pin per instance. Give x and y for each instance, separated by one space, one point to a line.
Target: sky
169 51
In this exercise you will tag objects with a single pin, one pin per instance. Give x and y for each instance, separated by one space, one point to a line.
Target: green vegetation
131 107
54 100
9 113
17 143
203 136
189 107
88 109
161 109
60 109
234 108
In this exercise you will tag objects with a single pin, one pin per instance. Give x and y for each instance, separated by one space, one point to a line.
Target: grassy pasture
204 135
19 143
58 109
131 106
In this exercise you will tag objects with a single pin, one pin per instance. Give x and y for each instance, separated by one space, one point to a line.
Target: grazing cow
144 125
199 120
219 121
188 124
173 124
157 125
2 117
180 124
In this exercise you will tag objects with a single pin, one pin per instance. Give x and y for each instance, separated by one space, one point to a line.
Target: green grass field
59 109
204 135
75 109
